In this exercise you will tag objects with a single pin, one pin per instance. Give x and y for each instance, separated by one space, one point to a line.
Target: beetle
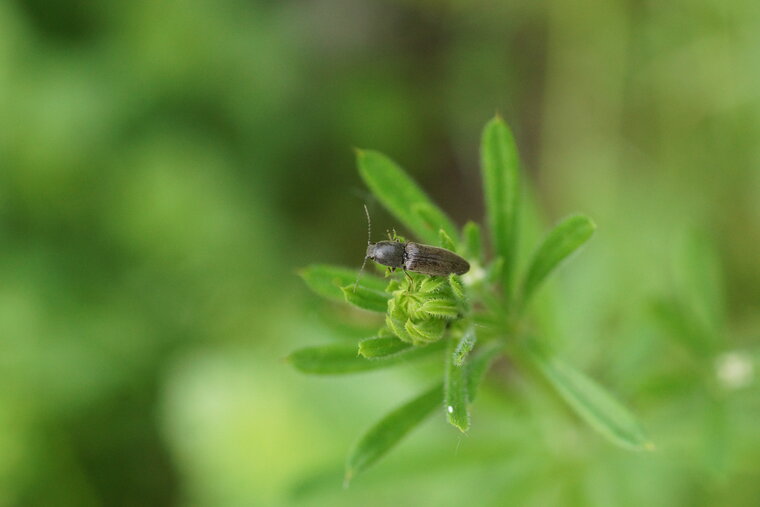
418 258
415 257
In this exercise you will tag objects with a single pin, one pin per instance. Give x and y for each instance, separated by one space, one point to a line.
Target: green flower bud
422 307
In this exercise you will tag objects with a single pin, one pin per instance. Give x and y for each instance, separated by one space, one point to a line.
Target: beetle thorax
387 253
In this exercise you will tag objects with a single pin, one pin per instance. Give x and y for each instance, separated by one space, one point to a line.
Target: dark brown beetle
418 258
415 257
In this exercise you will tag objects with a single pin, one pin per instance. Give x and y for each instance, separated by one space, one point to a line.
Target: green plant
471 319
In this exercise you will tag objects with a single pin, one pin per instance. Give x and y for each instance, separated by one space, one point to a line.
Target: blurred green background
165 167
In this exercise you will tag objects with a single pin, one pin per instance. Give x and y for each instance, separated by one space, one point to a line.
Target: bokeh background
166 166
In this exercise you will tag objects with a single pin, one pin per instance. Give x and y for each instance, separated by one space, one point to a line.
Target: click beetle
415 257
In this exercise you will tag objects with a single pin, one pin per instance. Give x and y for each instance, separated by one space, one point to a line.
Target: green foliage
366 299
433 218
327 281
464 346
389 430
455 389
473 248
445 241
591 402
162 174
382 346
478 366
562 241
421 308
424 314
501 187
402 197
339 359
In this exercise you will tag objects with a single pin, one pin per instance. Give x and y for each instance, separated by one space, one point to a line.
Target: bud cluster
422 307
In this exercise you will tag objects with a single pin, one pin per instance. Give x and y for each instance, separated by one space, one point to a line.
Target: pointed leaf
382 346
472 242
431 216
444 308
366 299
478 366
395 320
591 402
431 284
464 346
389 431
495 270
562 241
457 288
344 358
501 186
402 197
455 399
326 280
445 241
425 331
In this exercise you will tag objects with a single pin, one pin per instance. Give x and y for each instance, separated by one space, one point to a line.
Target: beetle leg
408 276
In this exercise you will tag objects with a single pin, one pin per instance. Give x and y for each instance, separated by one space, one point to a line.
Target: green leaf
700 283
457 288
478 366
389 431
344 358
402 197
473 246
430 284
326 280
464 346
563 240
495 270
393 427
591 402
455 391
395 320
679 325
425 331
342 329
367 299
431 215
382 346
445 241
501 187
444 308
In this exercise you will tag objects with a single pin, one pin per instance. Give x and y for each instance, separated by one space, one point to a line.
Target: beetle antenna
369 241
369 225
360 274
